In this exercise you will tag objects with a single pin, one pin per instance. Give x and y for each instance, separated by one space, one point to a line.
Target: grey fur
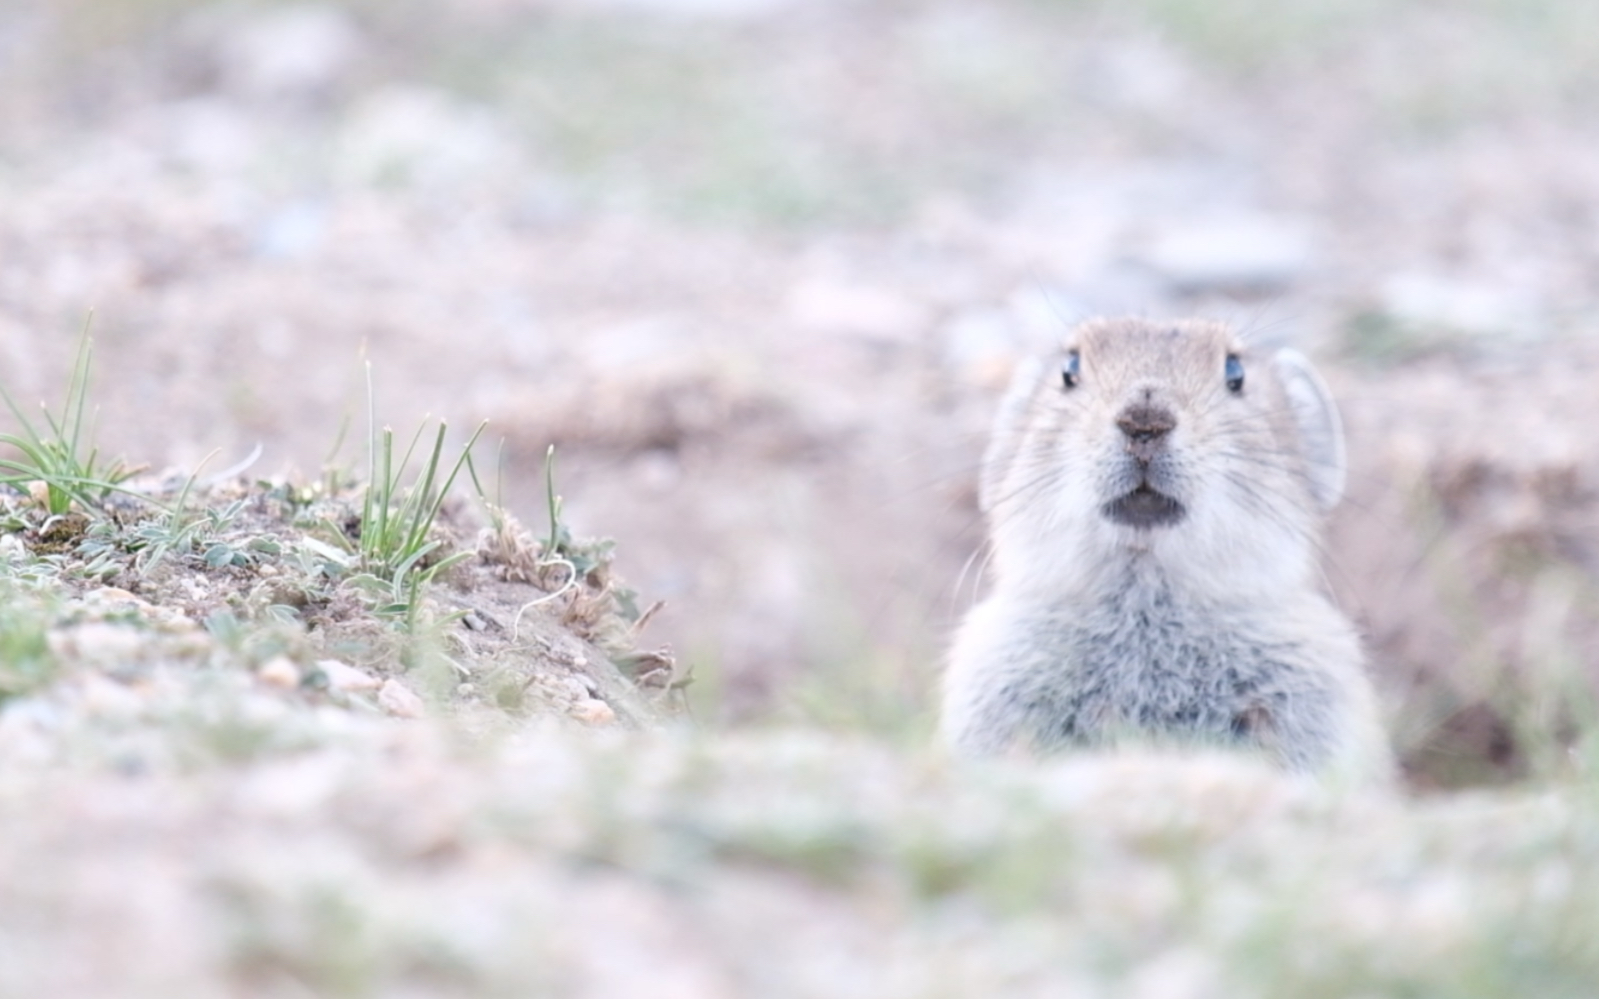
1142 663
1001 451
1209 628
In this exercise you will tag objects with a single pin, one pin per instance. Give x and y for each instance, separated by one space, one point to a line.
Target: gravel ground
387 859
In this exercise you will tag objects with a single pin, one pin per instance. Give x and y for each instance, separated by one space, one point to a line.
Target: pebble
862 311
981 345
1244 252
279 671
593 712
115 595
108 600
420 136
108 699
296 50
346 678
399 700
732 10
578 686
102 645
26 731
1431 302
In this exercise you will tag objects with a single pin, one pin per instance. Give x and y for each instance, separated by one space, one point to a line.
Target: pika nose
1146 427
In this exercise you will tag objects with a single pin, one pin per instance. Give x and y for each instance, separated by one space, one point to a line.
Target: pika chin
1155 499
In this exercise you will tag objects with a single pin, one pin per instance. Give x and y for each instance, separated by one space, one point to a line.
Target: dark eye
1069 371
1235 374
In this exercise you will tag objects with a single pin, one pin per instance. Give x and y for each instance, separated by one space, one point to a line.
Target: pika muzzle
1145 428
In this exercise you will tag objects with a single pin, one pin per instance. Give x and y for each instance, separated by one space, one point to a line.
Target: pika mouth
1144 507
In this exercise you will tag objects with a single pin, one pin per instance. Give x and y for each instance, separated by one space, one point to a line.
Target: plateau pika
1155 499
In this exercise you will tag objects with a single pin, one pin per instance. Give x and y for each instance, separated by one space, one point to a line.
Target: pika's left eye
1235 374
1071 370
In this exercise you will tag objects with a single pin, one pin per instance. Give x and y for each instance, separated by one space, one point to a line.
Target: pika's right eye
1069 371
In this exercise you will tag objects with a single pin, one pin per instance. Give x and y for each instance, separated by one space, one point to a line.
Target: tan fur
1206 625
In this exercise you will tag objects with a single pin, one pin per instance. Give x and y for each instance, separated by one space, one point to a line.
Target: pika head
1175 439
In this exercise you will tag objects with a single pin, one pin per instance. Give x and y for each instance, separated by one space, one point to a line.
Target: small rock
291 231
115 596
188 642
296 50
106 698
1239 253
97 644
346 678
279 671
1432 302
1144 75
208 135
855 310
411 136
731 10
25 731
399 700
980 345
658 470
578 687
593 712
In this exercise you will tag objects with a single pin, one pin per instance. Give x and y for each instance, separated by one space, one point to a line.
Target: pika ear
1006 436
1321 432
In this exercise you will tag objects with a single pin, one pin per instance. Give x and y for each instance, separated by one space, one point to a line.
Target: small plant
557 550
336 475
556 563
506 542
55 456
182 529
396 520
395 554
560 549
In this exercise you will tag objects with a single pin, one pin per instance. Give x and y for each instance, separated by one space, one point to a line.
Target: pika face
1168 437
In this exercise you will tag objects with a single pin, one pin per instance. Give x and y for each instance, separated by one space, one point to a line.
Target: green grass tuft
54 456
397 552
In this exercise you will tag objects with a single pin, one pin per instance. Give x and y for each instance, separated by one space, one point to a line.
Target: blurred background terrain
760 267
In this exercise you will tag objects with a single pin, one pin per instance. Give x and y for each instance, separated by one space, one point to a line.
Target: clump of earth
269 580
